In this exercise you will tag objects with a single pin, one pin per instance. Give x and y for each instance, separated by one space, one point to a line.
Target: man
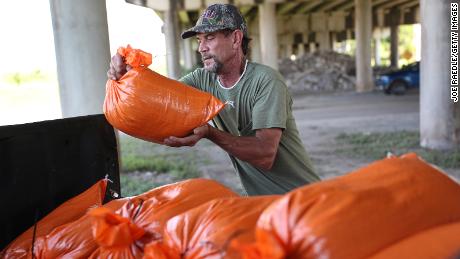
256 128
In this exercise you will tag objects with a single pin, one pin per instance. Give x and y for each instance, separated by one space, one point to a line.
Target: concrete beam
378 2
393 3
331 5
287 7
308 6
81 41
363 29
409 5
347 6
439 115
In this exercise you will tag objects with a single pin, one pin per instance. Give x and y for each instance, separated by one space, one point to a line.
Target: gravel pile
321 71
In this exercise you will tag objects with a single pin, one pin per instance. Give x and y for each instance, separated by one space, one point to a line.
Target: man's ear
237 38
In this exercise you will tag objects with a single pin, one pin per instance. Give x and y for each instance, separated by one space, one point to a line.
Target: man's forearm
258 150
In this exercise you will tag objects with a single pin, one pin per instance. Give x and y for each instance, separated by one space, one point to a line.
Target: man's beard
216 67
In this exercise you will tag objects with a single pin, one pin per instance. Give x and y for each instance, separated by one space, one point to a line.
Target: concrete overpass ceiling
332 5
189 10
391 4
307 7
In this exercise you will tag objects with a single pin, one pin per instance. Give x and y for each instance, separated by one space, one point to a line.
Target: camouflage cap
218 17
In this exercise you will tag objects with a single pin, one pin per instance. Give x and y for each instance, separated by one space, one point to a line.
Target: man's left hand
198 133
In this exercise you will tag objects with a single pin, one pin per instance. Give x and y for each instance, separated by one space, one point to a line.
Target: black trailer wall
45 163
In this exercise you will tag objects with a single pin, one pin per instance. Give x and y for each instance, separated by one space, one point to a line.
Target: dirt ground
320 118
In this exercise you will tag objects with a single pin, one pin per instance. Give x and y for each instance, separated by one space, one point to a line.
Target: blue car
398 82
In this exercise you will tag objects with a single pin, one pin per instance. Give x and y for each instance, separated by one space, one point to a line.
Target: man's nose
202 47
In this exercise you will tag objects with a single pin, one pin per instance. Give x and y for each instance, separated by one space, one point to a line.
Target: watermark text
454 52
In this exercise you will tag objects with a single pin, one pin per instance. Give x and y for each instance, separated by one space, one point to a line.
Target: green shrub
376 146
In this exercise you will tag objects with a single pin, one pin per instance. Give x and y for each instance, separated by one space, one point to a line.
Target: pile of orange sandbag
149 106
209 230
393 208
67 212
387 209
119 228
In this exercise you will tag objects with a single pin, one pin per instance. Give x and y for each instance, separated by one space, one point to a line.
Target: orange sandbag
149 212
170 200
115 235
356 215
208 230
74 239
439 242
149 106
66 212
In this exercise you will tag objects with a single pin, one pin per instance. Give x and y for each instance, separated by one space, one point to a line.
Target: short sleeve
191 79
271 106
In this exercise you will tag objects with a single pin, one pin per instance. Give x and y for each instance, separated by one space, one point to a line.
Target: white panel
337 21
286 39
244 2
417 14
192 4
158 5
298 23
319 21
281 22
210 2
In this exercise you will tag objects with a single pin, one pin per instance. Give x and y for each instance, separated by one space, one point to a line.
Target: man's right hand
117 67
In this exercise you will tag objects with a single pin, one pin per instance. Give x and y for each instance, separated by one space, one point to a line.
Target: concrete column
172 37
312 47
300 49
81 42
333 40
363 28
287 41
417 41
188 53
324 39
439 116
268 34
394 55
377 38
288 50
254 34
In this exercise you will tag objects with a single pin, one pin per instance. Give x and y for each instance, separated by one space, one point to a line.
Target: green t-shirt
260 100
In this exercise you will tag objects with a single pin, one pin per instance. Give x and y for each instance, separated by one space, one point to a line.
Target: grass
30 100
146 165
19 78
131 186
375 146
